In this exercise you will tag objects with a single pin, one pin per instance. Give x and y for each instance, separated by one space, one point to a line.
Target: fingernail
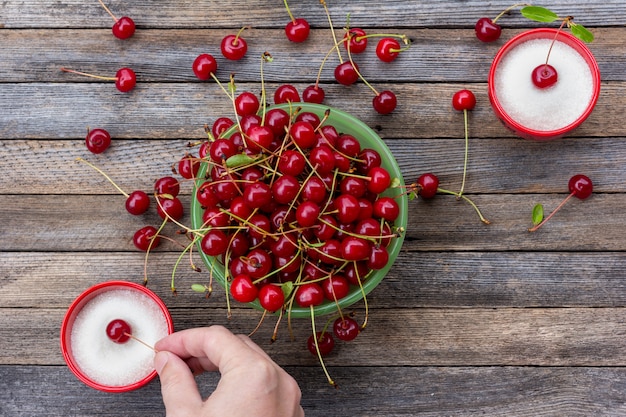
160 359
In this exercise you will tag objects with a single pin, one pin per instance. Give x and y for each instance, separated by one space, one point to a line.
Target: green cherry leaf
539 14
239 160
581 32
412 196
287 288
198 288
395 183
537 214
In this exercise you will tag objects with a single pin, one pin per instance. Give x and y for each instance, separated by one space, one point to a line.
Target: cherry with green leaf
545 75
580 186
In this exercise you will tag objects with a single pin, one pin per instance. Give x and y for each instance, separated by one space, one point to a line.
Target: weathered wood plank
437 279
495 166
411 337
188 13
159 111
436 55
92 223
408 391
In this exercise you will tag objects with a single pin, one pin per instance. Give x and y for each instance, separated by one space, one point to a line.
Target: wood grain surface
472 319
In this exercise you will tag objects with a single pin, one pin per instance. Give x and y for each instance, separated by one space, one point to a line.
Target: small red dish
75 308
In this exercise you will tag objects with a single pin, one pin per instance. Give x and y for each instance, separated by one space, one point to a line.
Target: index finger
215 347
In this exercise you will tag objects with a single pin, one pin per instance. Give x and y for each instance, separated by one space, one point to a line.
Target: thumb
178 386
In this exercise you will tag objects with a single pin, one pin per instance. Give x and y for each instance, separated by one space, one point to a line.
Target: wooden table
473 319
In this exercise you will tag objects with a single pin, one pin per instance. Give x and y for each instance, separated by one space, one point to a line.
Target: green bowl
348 124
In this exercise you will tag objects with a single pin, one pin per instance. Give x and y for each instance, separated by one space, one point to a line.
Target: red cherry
257 195
221 125
243 289
170 208
285 189
297 30
214 243
385 102
487 30
387 49
428 184
137 202
309 294
125 79
222 149
234 47
313 94
322 157
286 93
347 73
259 138
271 297
188 167
355 248
203 66
277 120
379 181
463 100
146 238
246 103
386 208
336 287
97 140
118 331
378 258
205 195
348 208
307 214
346 328
544 76
292 163
325 343
303 134
355 40
167 185
123 28
581 186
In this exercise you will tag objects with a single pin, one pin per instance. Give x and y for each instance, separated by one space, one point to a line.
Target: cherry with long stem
464 100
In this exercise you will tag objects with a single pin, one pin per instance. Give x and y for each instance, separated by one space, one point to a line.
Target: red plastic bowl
70 317
544 33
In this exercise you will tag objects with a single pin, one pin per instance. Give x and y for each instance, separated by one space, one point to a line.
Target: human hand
251 384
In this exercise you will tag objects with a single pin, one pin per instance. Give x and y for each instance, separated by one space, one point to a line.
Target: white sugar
543 109
107 362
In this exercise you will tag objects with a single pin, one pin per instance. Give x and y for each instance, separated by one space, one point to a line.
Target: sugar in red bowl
96 359
550 113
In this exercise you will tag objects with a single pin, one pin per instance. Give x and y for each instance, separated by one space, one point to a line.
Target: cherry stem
332 30
103 174
100 77
108 11
289 12
238 35
141 341
508 9
556 35
376 93
482 219
317 349
532 229
466 153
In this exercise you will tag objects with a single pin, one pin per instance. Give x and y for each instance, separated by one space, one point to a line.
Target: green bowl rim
389 162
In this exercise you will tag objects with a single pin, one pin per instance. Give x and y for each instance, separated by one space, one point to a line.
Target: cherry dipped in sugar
118 331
